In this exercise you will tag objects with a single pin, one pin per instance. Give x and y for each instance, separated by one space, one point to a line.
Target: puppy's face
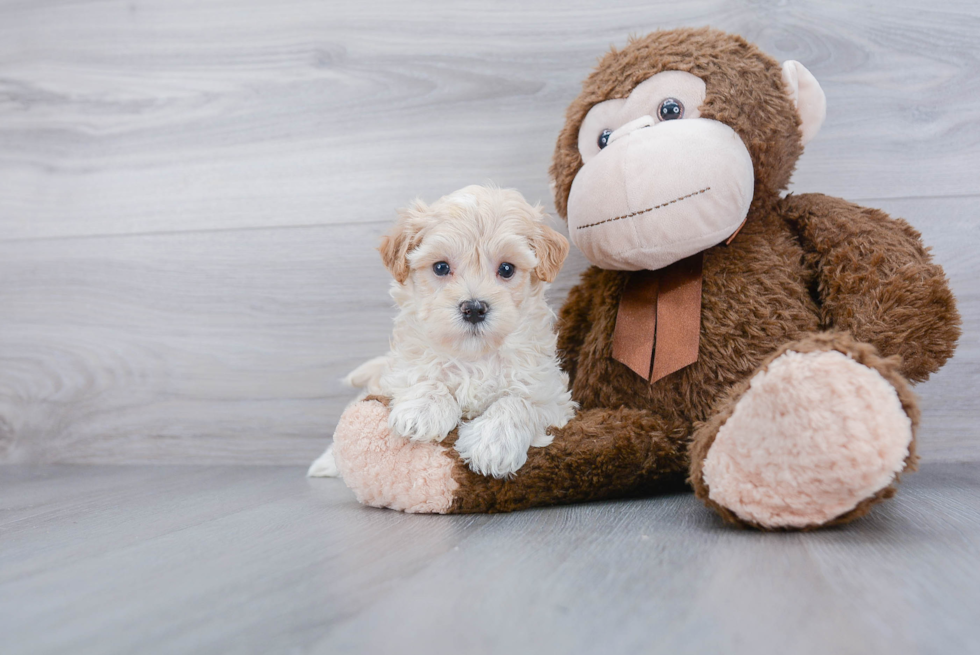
469 262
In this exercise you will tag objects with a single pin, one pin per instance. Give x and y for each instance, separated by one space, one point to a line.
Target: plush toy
755 347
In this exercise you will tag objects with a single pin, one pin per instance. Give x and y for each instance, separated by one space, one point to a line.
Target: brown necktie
658 324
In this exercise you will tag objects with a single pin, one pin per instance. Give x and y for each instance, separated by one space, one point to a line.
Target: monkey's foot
818 435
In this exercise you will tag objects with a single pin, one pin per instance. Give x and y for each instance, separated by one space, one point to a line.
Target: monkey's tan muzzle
660 192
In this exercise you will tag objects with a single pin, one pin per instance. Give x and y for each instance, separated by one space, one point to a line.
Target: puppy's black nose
473 311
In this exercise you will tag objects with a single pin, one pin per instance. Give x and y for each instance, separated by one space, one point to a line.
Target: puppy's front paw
424 419
494 443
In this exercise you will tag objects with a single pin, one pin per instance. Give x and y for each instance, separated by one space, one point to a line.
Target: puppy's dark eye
604 138
506 270
670 109
440 268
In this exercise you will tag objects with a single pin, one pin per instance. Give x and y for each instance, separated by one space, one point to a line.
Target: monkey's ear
400 240
551 248
810 101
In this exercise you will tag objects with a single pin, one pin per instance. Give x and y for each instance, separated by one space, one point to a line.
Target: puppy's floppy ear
401 240
551 248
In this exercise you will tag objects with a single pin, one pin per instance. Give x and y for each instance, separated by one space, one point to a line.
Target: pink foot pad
385 470
815 434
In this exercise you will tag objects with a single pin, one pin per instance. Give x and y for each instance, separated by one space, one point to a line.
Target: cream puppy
474 342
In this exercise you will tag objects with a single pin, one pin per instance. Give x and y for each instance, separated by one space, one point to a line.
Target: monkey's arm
876 280
601 453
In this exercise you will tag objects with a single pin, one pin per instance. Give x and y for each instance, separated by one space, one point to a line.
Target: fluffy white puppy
474 343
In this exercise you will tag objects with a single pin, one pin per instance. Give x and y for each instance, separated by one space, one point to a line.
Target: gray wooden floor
143 559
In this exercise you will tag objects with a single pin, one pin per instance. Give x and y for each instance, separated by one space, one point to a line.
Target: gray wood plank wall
190 193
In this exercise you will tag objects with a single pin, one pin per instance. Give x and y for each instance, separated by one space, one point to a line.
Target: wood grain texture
228 346
178 115
156 559
191 193
218 346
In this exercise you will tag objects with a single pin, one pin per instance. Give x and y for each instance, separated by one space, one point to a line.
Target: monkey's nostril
474 311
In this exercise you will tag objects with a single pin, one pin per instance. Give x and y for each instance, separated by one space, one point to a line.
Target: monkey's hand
876 280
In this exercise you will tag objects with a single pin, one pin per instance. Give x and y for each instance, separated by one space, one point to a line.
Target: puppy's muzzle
474 311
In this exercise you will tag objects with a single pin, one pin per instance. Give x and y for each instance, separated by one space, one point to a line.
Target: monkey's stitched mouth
648 209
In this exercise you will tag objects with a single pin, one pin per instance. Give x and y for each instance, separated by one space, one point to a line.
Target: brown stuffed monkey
753 346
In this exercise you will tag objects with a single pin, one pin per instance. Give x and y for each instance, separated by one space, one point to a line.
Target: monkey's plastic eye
604 138
440 268
670 109
506 270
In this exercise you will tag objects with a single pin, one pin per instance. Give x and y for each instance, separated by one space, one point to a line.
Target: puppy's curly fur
496 376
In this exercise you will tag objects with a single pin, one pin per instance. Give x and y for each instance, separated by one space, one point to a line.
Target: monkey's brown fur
800 267
805 273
